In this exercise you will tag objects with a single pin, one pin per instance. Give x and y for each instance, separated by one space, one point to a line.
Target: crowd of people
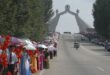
18 60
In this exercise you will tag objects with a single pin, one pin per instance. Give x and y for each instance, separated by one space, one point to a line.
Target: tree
25 18
48 12
101 15
7 17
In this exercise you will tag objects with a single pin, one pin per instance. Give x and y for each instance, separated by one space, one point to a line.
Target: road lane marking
42 72
99 68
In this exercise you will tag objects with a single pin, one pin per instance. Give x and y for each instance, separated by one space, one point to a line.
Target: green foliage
101 13
25 18
48 13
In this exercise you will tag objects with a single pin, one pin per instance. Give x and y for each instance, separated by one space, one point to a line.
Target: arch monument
83 26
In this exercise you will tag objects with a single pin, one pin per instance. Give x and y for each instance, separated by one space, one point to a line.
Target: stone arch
81 24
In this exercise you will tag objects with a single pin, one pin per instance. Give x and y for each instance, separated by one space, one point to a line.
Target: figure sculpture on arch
83 26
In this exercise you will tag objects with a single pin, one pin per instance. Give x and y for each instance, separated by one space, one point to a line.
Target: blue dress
25 65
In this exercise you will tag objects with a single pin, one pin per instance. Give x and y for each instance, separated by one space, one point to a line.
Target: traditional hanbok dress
37 59
33 64
1 66
38 62
5 70
46 60
25 65
41 58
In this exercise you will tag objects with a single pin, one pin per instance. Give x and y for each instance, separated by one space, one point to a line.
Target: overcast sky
67 22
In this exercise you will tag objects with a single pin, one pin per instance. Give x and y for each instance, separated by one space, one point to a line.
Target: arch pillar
83 26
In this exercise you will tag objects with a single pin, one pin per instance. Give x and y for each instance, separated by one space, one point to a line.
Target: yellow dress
33 64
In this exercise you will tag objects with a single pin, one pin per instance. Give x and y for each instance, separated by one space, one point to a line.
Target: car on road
107 46
67 32
98 42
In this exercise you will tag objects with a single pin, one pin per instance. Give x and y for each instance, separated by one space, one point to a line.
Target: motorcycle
76 45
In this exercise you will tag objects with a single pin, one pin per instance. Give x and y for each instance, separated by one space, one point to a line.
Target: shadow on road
84 42
87 44
99 50
107 54
69 40
103 52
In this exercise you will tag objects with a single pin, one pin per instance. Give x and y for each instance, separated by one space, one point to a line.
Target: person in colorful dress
25 64
1 66
46 60
33 62
41 58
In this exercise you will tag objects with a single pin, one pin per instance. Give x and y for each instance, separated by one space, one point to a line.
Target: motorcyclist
76 45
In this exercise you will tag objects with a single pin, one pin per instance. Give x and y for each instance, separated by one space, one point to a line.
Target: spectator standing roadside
25 63
55 49
12 60
50 49
1 66
46 60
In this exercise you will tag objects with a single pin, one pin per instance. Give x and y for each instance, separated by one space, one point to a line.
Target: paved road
88 60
